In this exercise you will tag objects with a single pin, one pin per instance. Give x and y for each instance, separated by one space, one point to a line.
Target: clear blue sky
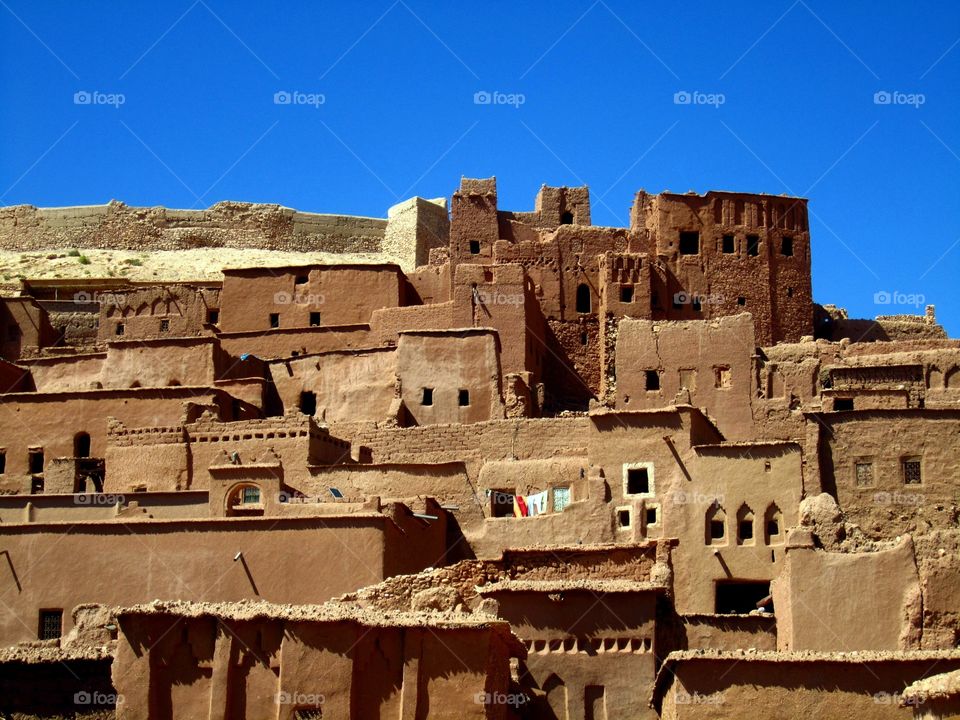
198 122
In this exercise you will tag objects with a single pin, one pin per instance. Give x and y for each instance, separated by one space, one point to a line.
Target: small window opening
314 319
463 398
583 298
583 338
753 245
864 474
623 518
741 301
3 461
842 404
164 325
716 529
911 472
301 280
274 320
786 246
213 316
566 218
427 398
308 403
51 624
695 303
626 293
789 292
35 461
81 445
729 246
638 481
120 329
689 243
746 529
651 516
741 598
474 247
501 503
721 376
773 528
652 379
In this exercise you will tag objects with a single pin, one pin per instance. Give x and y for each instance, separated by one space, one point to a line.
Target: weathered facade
515 466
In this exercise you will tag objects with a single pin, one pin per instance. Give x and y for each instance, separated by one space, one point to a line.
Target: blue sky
179 110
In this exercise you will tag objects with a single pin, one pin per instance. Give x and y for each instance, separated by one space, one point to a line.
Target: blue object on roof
245 356
336 493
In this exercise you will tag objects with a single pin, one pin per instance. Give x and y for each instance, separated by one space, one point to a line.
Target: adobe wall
152 559
352 386
591 653
50 422
881 502
25 328
450 376
738 685
52 688
414 227
288 342
349 666
173 310
821 605
301 297
750 483
706 364
90 507
225 224
769 283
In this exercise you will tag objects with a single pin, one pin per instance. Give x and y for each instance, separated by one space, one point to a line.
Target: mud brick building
507 464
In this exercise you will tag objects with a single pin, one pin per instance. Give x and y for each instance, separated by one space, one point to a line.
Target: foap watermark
98 499
295 97
696 698
683 497
895 698
302 699
97 698
95 97
109 298
885 297
695 298
898 498
695 97
895 97
501 698
486 97
486 297
285 298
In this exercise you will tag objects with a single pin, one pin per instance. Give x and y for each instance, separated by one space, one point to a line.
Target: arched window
773 525
716 526
584 301
81 445
745 533
245 500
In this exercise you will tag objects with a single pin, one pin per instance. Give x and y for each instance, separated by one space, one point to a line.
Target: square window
626 293
690 243
213 316
561 498
623 518
474 247
164 325
274 320
501 503
721 376
911 472
753 245
864 474
463 398
301 280
35 461
638 481
314 319
741 301
728 244
786 246
652 380
120 329
427 398
50 625
651 516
